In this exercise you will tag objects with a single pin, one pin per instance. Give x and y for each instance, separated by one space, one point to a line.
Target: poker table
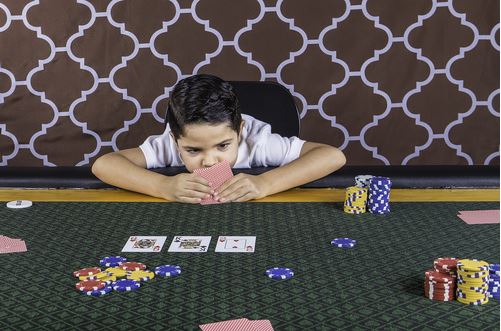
378 284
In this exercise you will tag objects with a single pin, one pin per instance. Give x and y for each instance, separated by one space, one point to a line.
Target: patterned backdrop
408 82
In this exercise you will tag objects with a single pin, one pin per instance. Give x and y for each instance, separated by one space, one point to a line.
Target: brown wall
388 81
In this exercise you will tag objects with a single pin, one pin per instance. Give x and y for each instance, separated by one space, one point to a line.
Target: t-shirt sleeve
277 150
158 150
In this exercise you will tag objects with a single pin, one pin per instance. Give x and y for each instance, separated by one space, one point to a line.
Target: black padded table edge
476 176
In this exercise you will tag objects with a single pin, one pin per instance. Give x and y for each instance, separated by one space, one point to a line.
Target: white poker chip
19 204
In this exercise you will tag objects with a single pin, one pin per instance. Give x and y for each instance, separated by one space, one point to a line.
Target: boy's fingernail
221 199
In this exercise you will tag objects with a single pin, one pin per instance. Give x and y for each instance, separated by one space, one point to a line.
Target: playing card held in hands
216 175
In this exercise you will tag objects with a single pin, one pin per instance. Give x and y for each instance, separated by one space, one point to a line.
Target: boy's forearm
315 164
116 170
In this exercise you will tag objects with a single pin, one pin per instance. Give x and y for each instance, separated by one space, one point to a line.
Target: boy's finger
190 200
198 187
226 185
201 180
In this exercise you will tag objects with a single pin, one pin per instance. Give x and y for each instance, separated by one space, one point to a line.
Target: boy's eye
223 146
192 151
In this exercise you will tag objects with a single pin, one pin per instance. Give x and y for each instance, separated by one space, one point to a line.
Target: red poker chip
441 286
89 285
446 263
438 277
87 272
132 266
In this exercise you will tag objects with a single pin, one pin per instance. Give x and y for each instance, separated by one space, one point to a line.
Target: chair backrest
269 102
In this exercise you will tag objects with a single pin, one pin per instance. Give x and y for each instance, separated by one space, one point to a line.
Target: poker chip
126 285
87 272
109 280
355 200
438 277
473 302
19 204
100 292
378 201
168 270
472 265
141 275
445 264
112 261
89 285
132 266
117 272
363 181
280 273
99 275
344 242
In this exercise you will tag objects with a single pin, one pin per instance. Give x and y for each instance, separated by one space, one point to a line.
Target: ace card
236 244
190 244
146 244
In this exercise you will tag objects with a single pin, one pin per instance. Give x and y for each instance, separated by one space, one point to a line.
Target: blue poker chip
99 293
126 285
112 261
280 273
494 267
168 270
344 242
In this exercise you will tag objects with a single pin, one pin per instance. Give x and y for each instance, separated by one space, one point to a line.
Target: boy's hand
190 188
242 187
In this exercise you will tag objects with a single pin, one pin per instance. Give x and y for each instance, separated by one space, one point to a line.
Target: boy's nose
209 161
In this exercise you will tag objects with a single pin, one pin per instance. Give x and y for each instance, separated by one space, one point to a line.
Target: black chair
271 103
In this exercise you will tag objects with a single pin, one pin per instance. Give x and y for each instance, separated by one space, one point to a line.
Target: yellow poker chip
472 265
109 279
141 275
473 302
117 272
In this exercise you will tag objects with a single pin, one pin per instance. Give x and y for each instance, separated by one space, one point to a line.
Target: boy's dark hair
205 99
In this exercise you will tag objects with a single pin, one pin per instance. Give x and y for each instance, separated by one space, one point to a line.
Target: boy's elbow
97 165
340 158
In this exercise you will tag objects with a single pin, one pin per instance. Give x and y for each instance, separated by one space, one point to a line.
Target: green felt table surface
376 285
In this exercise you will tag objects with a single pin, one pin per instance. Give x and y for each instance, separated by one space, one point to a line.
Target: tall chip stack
494 273
440 283
355 200
473 282
379 195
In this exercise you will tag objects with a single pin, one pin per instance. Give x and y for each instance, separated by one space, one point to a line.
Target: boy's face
204 145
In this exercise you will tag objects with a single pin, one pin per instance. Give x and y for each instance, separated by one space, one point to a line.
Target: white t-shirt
258 147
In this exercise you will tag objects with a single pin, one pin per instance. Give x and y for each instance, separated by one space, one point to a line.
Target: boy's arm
315 161
126 169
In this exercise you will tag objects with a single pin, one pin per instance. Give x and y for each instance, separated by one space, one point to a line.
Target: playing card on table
241 324
190 244
236 244
11 245
147 244
216 175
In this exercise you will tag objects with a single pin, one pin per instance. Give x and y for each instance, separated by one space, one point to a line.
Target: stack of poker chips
120 276
493 289
379 195
439 286
473 282
440 283
355 200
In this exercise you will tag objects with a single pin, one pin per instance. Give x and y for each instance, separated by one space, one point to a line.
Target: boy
205 127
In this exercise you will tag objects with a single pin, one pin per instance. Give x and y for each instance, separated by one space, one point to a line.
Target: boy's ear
173 139
241 128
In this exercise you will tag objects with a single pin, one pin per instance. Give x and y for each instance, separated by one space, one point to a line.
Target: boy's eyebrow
222 142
